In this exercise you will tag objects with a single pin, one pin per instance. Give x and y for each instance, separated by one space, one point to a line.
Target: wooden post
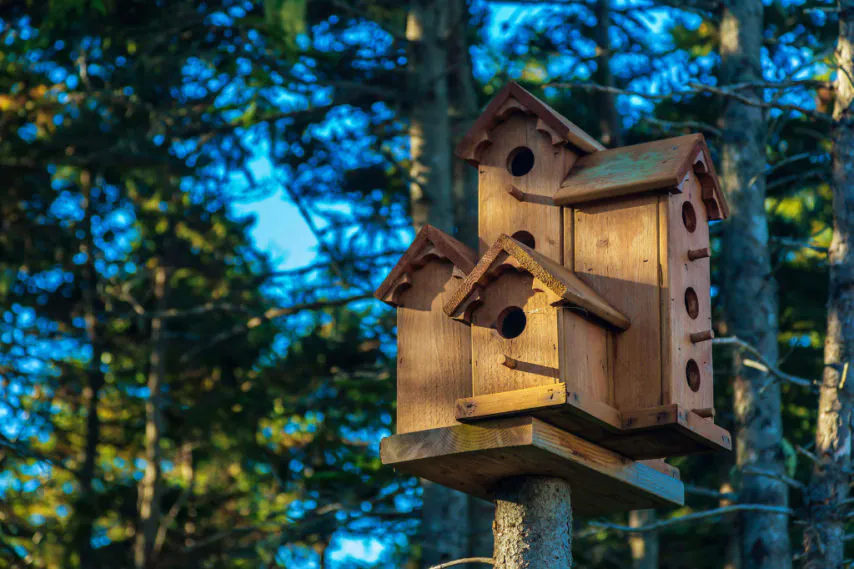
533 524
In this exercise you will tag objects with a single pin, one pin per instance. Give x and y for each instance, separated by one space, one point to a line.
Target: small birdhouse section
434 352
583 329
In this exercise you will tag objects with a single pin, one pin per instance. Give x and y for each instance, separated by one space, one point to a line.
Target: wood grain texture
474 458
500 212
506 254
658 165
430 243
616 252
434 352
558 128
682 273
659 432
534 351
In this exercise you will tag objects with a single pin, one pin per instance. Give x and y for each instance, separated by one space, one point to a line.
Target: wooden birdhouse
434 352
587 318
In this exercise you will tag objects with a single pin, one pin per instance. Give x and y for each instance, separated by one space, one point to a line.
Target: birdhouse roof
659 165
507 253
430 243
513 98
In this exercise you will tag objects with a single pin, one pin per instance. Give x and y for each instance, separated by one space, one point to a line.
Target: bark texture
443 193
150 487
824 538
749 292
644 546
533 524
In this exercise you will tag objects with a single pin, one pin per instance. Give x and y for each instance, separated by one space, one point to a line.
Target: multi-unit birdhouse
577 341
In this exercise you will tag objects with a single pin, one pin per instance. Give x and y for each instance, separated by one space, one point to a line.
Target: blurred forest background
173 396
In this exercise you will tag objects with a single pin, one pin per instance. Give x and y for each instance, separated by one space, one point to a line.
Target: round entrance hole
520 161
525 238
692 375
689 217
511 322
692 303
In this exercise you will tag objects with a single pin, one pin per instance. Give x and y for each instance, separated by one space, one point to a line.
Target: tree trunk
644 546
444 194
85 508
609 119
823 540
431 199
749 292
150 485
533 524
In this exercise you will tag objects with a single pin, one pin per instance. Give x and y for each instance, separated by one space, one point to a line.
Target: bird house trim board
434 353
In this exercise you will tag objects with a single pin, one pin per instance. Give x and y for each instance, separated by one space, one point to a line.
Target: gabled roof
513 98
659 165
560 280
429 244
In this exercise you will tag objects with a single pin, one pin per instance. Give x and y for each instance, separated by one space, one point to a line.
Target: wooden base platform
659 432
473 458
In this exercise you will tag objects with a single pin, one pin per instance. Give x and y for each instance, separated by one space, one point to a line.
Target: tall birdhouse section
577 341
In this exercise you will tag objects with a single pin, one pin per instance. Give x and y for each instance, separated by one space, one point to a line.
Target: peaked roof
514 98
430 243
657 165
556 277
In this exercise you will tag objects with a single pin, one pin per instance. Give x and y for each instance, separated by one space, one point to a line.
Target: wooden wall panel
585 356
616 251
434 352
535 349
683 273
499 212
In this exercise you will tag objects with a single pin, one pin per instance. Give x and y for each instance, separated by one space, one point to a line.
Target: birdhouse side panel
521 205
514 337
614 247
586 356
433 354
687 312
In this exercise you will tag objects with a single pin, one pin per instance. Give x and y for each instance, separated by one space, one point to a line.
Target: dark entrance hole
511 322
520 161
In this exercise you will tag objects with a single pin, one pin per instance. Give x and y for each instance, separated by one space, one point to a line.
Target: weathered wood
660 165
681 344
657 432
430 243
475 458
616 252
434 352
509 203
513 97
507 253
702 253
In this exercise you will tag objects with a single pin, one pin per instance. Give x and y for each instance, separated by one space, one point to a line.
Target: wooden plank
473 458
434 352
616 253
586 358
664 431
498 211
480 132
683 273
507 252
535 349
652 166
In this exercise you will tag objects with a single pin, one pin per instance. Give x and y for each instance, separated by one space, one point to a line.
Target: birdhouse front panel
688 347
434 352
519 172
613 246
514 336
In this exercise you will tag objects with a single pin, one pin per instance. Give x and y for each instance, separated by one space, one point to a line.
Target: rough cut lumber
658 432
659 165
430 243
507 253
475 458
515 99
